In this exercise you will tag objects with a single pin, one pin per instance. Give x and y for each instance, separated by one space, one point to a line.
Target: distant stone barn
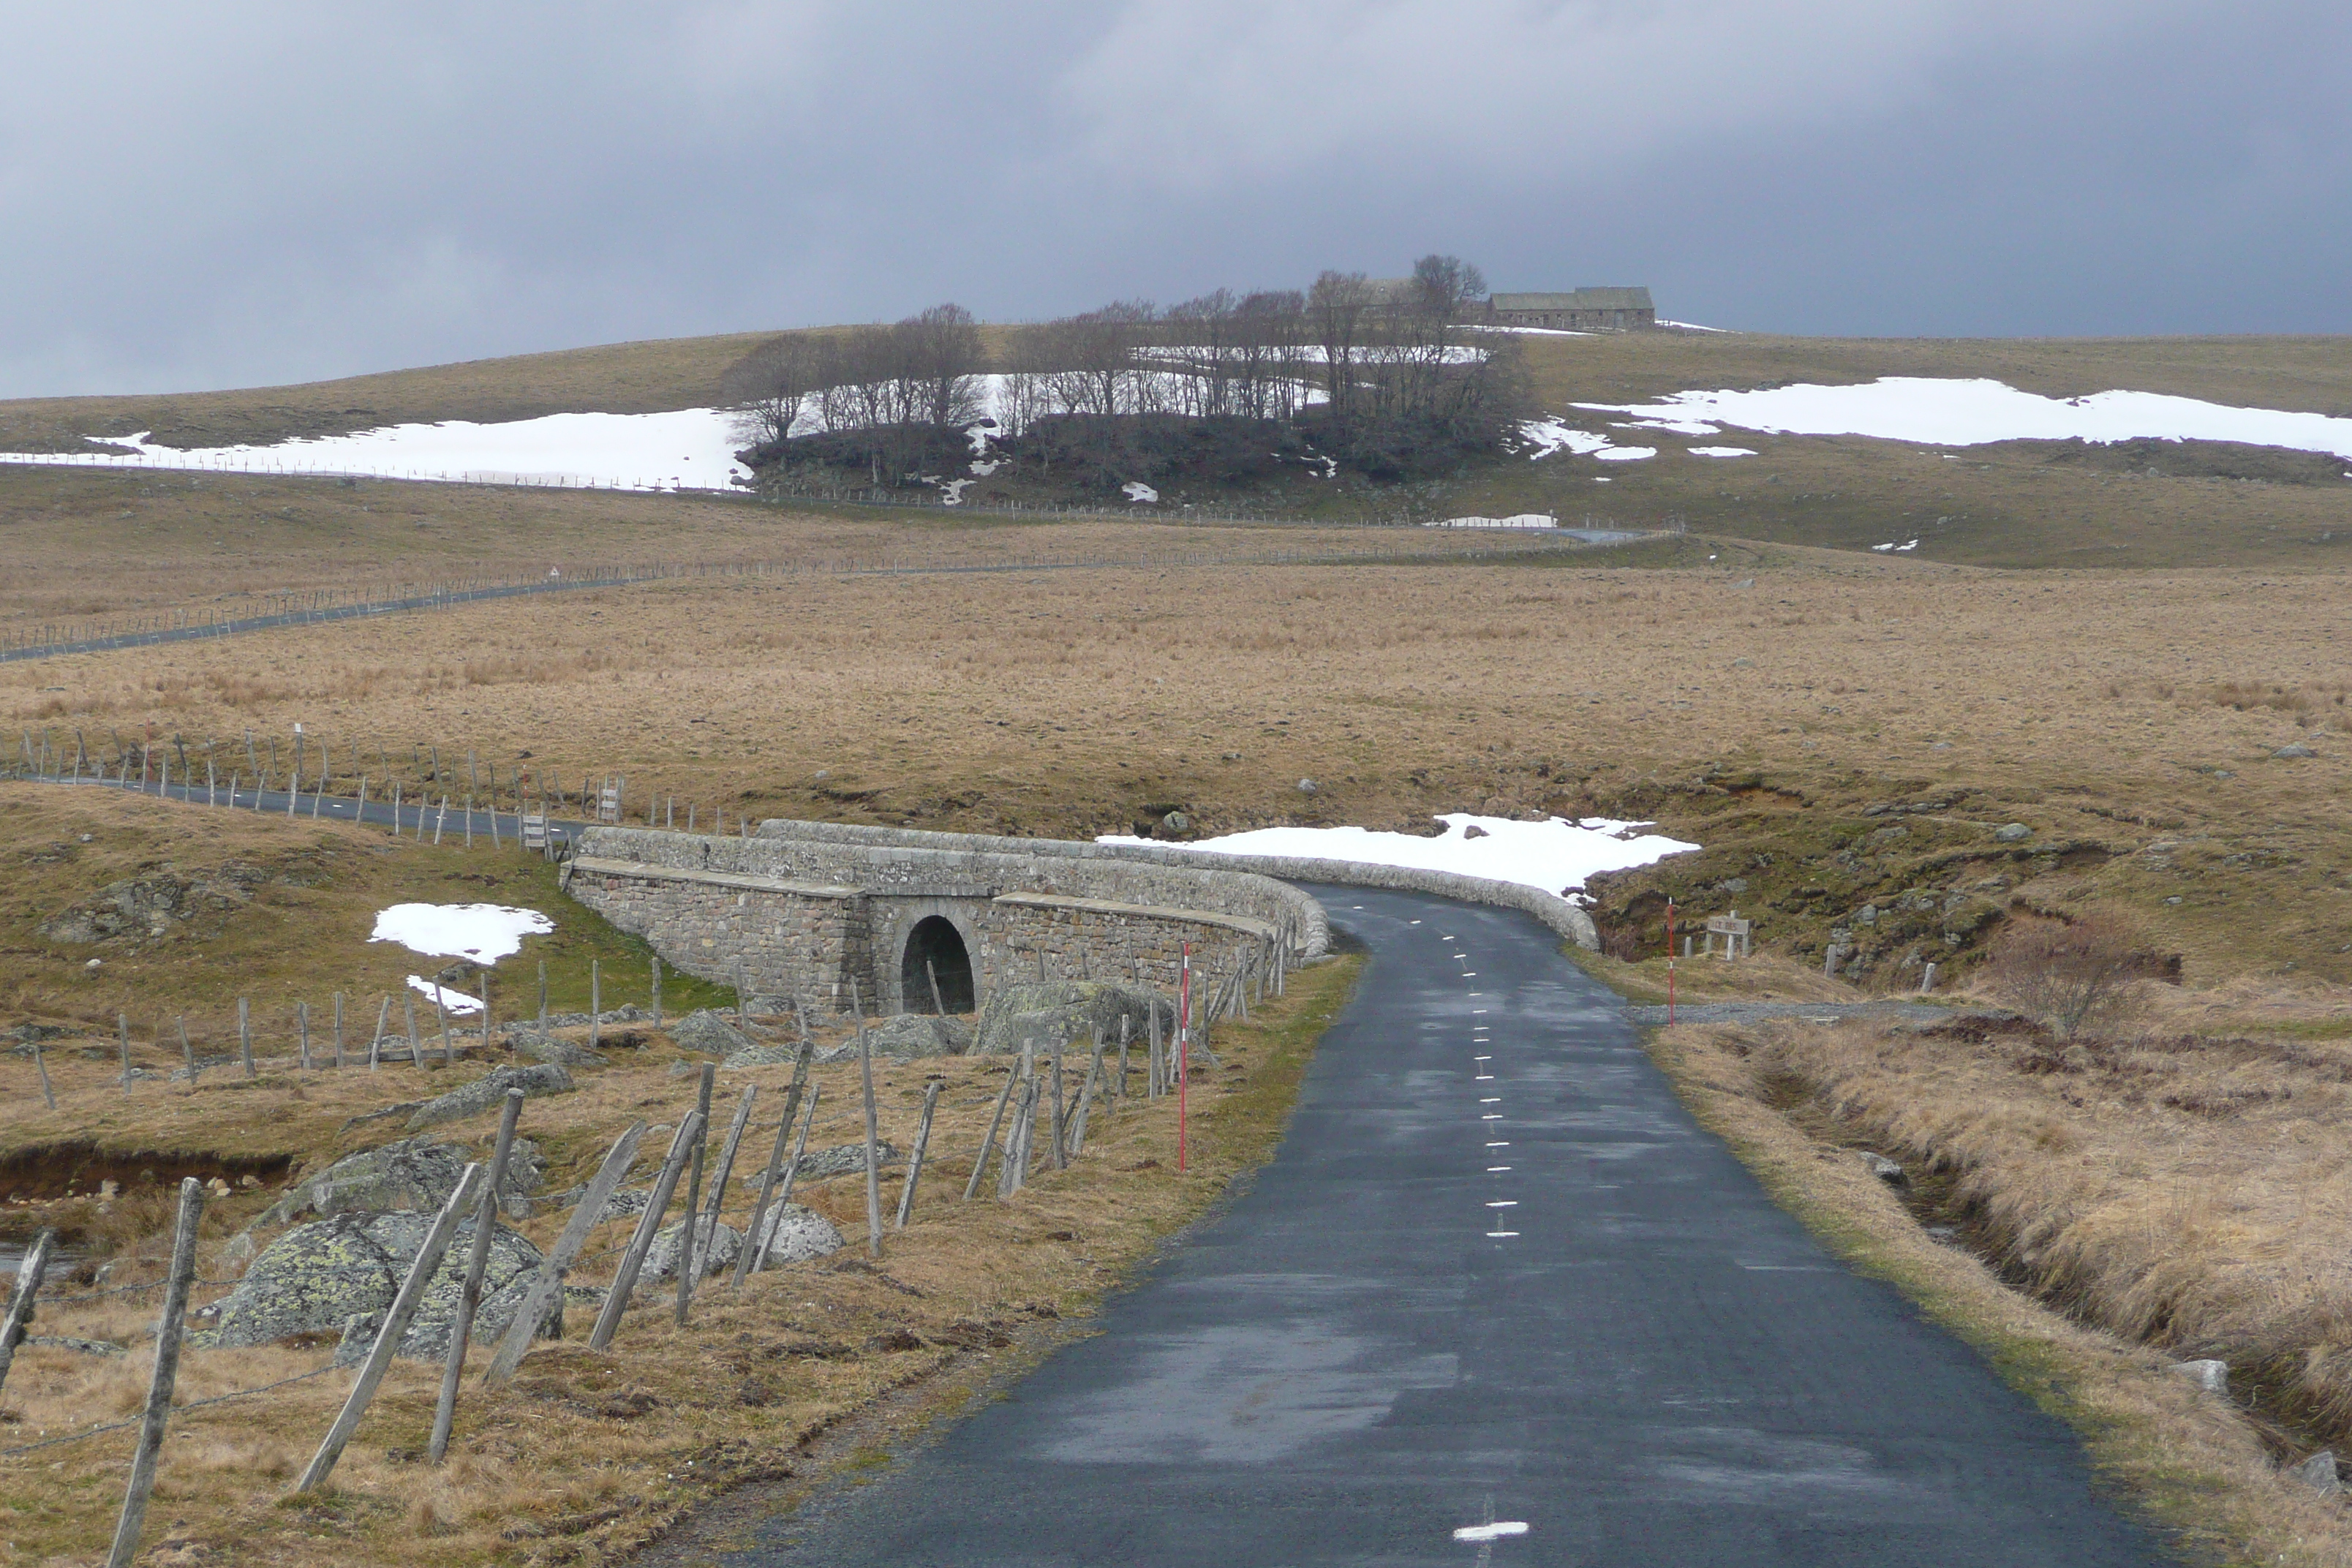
1577 310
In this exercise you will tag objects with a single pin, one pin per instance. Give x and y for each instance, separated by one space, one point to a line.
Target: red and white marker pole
1183 1050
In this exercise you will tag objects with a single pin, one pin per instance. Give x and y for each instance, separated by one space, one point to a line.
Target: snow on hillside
692 449
1967 413
1555 855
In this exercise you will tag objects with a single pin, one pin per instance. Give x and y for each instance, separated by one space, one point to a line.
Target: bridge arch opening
936 947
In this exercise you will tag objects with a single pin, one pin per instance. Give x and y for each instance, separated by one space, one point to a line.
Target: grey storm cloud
236 193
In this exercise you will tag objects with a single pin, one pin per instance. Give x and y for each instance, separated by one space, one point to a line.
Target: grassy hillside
2148 504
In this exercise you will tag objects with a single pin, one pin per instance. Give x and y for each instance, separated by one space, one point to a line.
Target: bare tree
1445 285
771 387
2085 975
940 357
1337 308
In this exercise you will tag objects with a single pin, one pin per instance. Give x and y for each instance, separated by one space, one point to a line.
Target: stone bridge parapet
808 915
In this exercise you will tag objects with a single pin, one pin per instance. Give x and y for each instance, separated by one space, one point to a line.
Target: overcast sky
233 194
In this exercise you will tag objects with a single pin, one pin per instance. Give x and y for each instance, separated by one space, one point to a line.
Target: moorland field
2110 648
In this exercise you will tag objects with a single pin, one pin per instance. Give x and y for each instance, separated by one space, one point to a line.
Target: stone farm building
1578 310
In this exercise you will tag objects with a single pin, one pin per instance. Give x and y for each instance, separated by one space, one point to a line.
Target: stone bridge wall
807 915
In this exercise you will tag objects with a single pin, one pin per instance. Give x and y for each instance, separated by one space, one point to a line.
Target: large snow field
692 449
1938 412
1554 855
482 933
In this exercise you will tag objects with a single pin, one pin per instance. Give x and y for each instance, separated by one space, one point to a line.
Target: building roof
1635 299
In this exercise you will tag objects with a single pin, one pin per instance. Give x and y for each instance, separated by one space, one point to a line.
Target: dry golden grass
2190 1458
589 1452
1071 702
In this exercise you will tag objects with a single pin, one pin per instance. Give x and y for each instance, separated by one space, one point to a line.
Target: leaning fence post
915 1154
685 1251
188 1053
387 1338
170 1329
122 1032
873 1171
338 1029
775 1158
792 1174
29 1272
408 1012
979 1164
41 1065
694 1247
375 1042
624 1278
469 1296
245 1033
549 1279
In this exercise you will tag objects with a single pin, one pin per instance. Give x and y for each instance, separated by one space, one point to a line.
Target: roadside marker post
1670 962
1183 1054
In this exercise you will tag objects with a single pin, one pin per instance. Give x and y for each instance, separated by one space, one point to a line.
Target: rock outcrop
319 1277
490 1089
1065 1012
414 1174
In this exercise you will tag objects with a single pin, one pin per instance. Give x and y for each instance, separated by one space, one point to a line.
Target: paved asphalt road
1493 1266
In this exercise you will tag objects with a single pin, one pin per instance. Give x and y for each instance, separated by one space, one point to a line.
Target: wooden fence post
873 1170
469 1296
792 1174
245 1034
914 1155
441 1016
694 1193
408 1012
338 1029
549 1279
29 1273
41 1065
375 1042
387 1338
624 1278
122 1033
595 1002
170 1329
1054 1116
694 1247
656 991
988 1141
188 1053
775 1157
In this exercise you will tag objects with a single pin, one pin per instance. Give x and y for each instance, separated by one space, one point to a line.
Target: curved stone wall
1555 912
830 918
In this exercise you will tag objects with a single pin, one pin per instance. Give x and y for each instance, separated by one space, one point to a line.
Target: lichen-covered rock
151 907
490 1089
906 1037
798 1235
843 1158
707 1032
317 1278
765 1056
414 1174
1066 1013
538 1048
719 1244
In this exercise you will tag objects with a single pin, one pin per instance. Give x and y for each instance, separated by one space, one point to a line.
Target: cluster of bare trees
894 385
1382 376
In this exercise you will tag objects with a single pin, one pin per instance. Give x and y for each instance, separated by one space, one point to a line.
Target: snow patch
1951 412
986 469
1550 435
1720 451
1554 855
690 448
1890 545
1675 427
1519 520
452 1001
951 491
1136 490
482 933
1625 453
1693 327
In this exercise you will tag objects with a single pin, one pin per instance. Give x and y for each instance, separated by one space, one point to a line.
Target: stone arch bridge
811 908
